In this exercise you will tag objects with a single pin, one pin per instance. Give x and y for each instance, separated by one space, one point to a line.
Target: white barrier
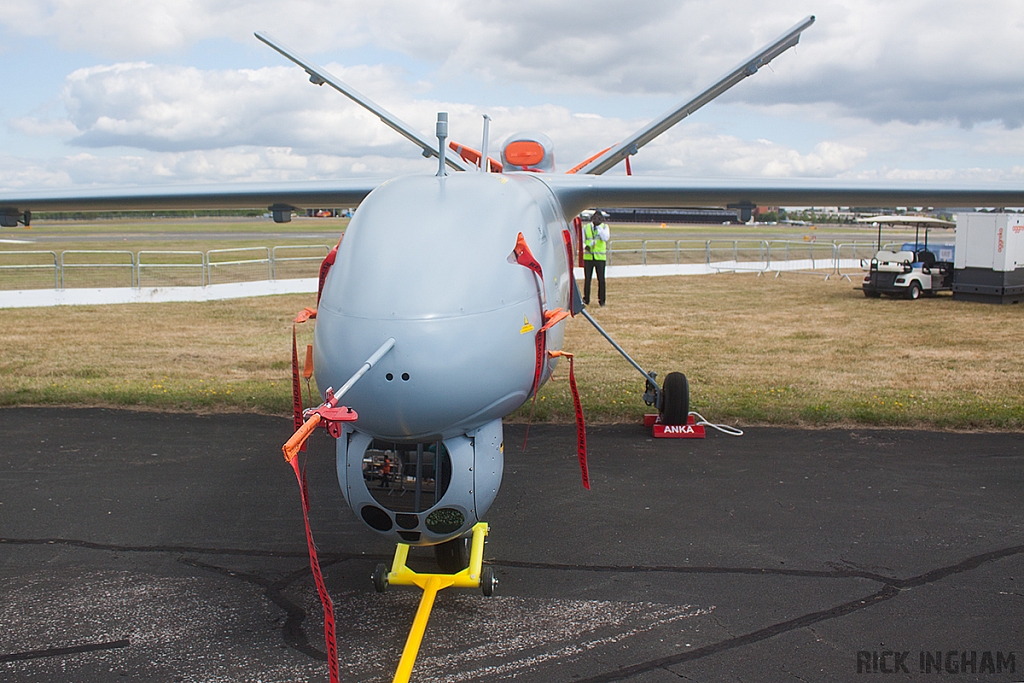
28 298
663 269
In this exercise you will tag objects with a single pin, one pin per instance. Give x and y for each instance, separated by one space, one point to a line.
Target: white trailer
989 262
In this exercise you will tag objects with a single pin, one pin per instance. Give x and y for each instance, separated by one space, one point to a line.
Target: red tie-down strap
330 637
577 228
332 415
522 255
581 429
296 387
551 318
325 267
307 371
567 239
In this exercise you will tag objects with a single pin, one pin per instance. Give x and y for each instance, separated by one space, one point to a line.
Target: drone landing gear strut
473 576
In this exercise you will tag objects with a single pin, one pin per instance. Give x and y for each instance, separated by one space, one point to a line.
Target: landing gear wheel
675 399
914 291
380 578
488 581
452 556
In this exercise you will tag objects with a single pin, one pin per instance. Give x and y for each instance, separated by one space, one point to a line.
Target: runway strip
171 547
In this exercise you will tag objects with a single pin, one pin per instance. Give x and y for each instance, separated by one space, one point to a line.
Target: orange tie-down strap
581 429
328 415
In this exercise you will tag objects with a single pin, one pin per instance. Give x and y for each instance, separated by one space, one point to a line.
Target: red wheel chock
690 430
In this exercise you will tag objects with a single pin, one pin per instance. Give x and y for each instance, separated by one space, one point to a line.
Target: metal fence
170 269
248 264
77 268
755 255
29 270
97 268
293 262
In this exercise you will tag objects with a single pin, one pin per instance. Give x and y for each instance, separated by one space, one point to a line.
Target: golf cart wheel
675 399
380 578
452 556
488 581
914 291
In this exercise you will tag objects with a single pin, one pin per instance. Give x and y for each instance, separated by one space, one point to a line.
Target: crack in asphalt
194 550
891 589
750 571
58 651
295 637
291 631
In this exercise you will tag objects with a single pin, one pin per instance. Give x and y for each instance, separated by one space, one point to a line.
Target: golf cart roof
918 221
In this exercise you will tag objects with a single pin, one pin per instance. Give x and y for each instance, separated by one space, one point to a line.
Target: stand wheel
675 399
452 556
488 581
380 578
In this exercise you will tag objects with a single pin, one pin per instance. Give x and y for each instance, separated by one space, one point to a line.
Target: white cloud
922 88
172 108
161 168
43 127
912 60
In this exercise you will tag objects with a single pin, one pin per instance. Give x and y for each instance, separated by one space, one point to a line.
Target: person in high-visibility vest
595 254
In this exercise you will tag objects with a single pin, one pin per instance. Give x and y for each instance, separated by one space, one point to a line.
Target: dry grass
796 350
227 355
757 350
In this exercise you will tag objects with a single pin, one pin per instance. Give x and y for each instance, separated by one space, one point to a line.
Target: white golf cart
914 269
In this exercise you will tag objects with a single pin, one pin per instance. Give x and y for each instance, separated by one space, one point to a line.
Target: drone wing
279 198
605 160
578 192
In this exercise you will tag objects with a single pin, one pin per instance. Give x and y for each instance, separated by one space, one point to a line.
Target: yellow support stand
401 575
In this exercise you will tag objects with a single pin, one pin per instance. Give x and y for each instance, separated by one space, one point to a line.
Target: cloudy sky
118 92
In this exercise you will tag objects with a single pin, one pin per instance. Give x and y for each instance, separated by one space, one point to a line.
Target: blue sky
116 92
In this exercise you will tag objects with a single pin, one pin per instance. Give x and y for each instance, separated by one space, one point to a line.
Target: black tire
380 578
914 291
452 556
871 294
488 581
675 399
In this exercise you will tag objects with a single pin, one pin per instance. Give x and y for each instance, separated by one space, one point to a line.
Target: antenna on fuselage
442 135
485 165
